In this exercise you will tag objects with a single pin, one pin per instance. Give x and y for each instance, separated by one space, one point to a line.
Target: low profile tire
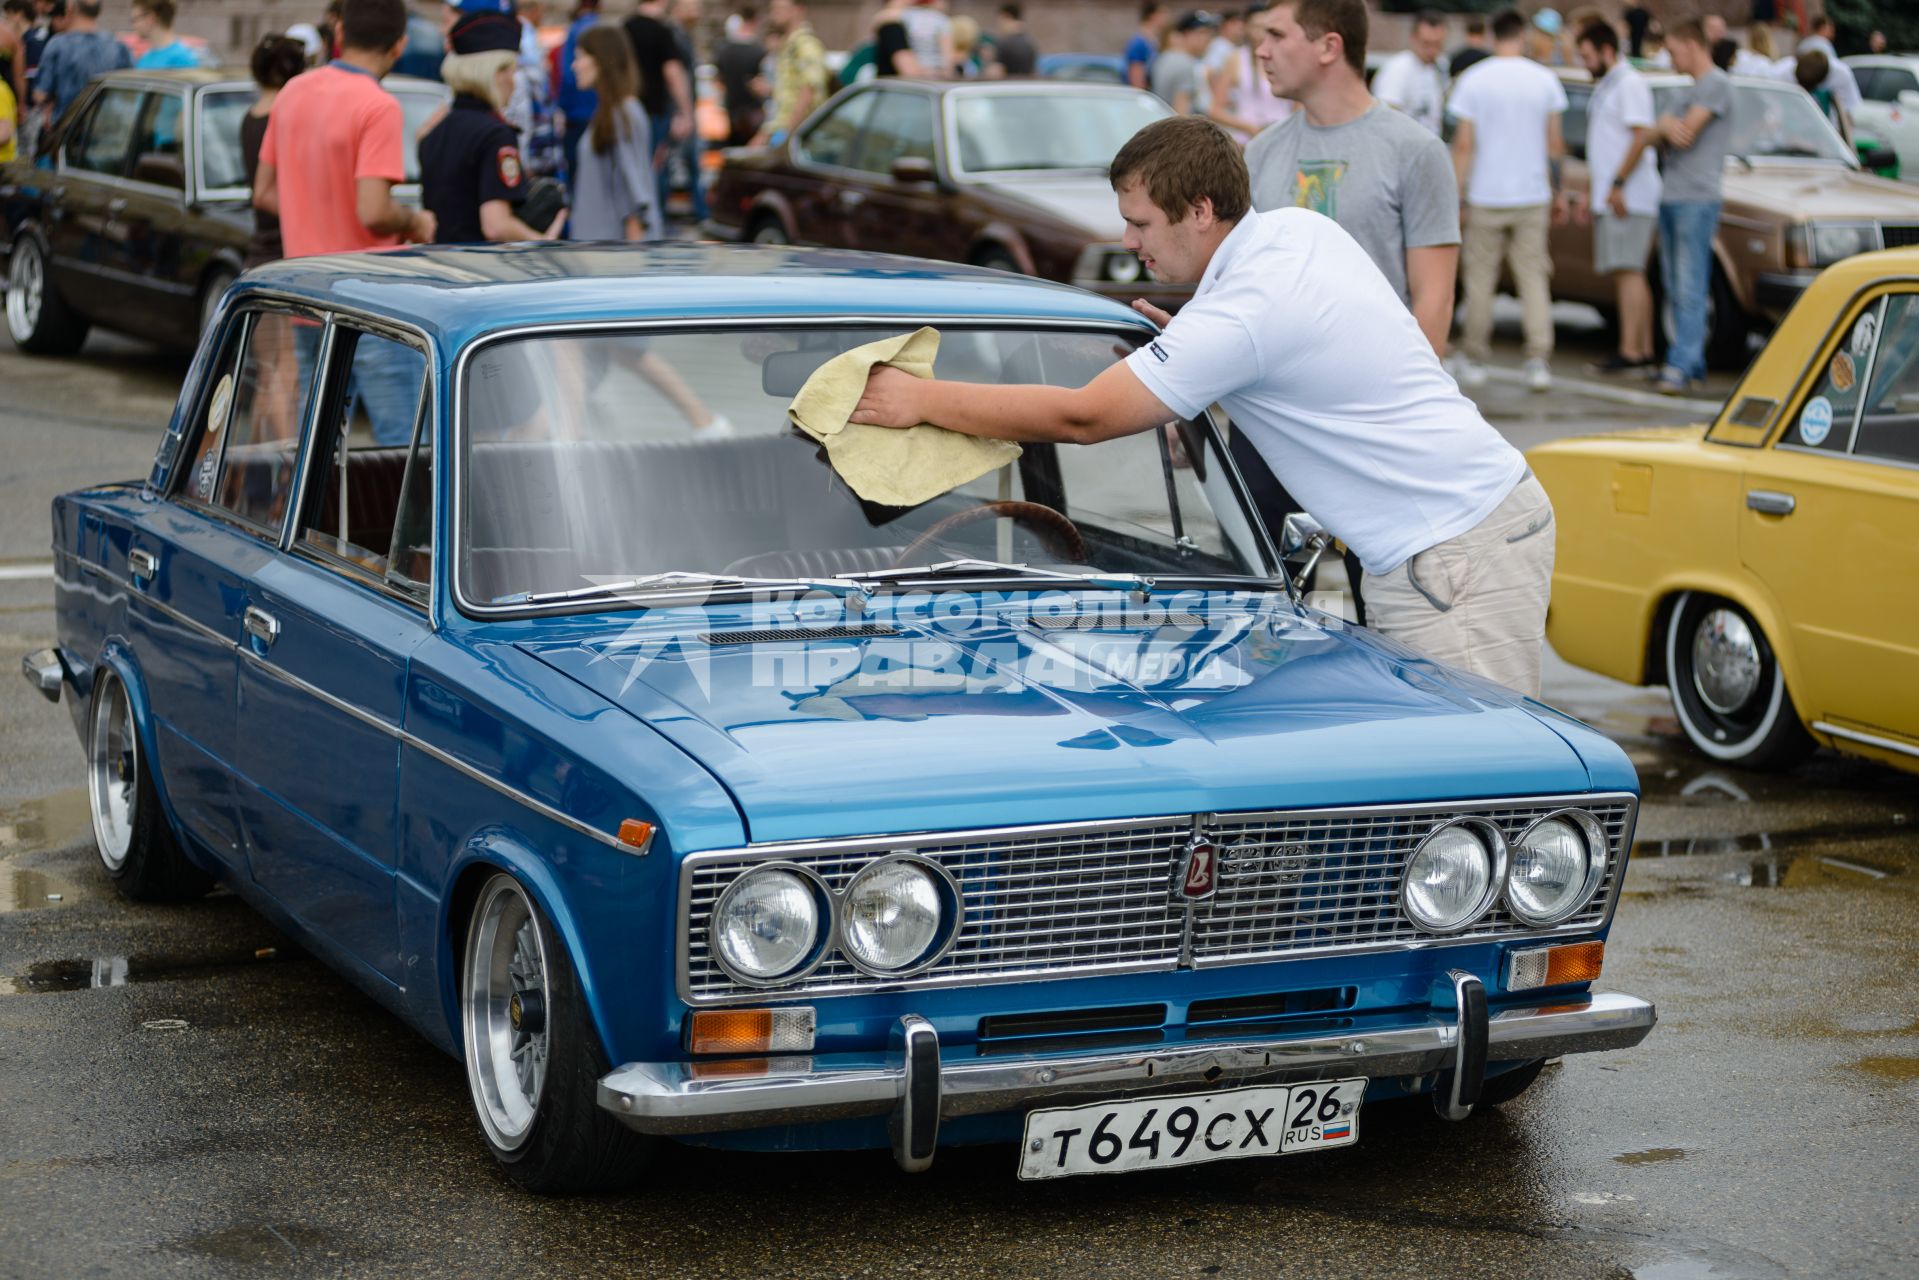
768 230
211 292
135 845
38 318
533 1059
1501 1089
1727 689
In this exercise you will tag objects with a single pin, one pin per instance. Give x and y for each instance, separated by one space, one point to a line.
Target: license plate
1163 1133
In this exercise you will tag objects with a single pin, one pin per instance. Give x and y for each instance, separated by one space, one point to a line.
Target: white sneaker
721 425
1539 375
1465 372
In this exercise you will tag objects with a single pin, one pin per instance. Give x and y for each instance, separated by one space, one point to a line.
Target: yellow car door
1831 526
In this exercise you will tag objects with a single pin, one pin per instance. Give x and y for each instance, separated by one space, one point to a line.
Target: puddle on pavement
24 889
85 973
1796 859
46 822
1657 1155
1900 1069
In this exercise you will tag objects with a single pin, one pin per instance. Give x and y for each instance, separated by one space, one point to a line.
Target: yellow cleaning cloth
884 464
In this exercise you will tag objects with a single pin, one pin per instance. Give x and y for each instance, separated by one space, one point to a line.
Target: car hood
1820 191
1003 721
1082 202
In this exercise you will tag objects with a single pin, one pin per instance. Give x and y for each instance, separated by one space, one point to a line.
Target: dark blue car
484 623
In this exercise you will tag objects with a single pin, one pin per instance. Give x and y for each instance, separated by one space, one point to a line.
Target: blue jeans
1686 229
661 128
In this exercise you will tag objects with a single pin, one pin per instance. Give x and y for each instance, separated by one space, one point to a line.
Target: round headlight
768 925
894 915
1452 877
1830 243
1122 268
1557 865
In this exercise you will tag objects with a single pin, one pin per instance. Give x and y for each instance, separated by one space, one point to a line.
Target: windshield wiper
970 567
683 578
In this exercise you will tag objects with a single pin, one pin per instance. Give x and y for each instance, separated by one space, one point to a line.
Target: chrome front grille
1088 898
1297 883
1897 235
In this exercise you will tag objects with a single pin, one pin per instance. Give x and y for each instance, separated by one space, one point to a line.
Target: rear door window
107 135
831 141
245 448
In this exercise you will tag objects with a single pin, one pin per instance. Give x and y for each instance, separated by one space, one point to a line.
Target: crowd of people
1289 80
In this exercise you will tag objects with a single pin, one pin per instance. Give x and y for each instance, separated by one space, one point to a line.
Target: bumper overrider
919 1082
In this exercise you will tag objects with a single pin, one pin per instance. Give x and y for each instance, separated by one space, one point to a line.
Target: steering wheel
1059 533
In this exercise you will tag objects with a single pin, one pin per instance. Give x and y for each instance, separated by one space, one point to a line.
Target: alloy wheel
505 1011
26 290
113 772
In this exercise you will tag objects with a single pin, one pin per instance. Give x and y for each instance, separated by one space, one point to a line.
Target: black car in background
136 213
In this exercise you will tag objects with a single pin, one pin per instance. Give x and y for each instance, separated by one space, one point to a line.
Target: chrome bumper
45 672
918 1083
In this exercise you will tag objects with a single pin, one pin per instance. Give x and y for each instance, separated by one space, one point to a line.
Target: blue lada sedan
485 624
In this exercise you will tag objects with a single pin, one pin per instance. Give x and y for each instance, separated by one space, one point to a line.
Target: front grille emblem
1198 877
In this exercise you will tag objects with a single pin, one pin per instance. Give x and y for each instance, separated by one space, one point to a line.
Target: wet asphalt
183 1091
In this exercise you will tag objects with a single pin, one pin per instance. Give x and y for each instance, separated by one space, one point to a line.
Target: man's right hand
1158 315
422 227
1617 202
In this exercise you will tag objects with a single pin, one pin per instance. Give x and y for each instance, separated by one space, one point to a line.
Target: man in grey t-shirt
1695 137
1371 169
1176 72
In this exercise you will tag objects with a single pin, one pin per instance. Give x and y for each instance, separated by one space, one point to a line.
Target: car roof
455 293
1023 87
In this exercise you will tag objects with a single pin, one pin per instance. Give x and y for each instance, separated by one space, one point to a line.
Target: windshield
1003 131
1781 121
583 465
221 111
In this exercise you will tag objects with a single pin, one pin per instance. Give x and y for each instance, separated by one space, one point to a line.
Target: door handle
117 205
261 625
1771 503
850 198
142 564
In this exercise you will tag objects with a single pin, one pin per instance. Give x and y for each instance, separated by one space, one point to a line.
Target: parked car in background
1889 83
681 793
1088 68
136 214
1762 567
1796 200
1008 174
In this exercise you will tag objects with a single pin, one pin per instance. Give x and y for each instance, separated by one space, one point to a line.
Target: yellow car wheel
1727 689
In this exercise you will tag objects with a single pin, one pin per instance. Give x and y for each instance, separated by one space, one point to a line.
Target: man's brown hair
163 11
1343 18
1691 30
1182 160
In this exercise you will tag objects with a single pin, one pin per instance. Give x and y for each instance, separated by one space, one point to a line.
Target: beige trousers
1518 236
1477 601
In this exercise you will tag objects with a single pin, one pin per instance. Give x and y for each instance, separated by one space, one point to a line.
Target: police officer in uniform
471 174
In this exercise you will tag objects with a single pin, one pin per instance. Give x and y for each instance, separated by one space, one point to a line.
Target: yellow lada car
1765 567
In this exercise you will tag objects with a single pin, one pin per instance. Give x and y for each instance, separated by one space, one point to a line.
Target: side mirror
1299 530
1909 98
160 169
912 169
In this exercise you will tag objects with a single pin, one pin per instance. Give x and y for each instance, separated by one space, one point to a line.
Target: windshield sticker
1863 333
217 408
1842 373
1815 421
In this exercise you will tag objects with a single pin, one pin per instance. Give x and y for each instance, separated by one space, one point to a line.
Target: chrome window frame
455 560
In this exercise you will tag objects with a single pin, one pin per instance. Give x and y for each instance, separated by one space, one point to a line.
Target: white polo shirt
1299 337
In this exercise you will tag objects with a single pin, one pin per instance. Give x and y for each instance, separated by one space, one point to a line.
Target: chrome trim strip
676 1098
1869 739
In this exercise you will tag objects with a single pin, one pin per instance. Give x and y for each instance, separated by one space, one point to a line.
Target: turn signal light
636 834
714 1031
1554 966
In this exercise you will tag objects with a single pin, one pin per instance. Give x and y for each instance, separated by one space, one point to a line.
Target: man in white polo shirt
1302 340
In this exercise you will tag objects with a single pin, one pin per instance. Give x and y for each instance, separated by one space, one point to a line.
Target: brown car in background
1009 174
1796 200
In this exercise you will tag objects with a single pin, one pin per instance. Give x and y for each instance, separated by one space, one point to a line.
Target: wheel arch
771 204
117 657
495 852
1000 237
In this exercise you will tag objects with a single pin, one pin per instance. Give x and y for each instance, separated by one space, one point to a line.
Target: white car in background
1889 83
